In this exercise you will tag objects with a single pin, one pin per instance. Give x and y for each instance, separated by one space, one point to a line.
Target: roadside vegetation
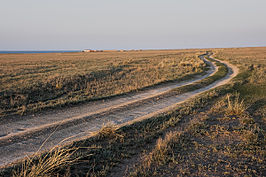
215 144
251 82
226 139
33 82
219 133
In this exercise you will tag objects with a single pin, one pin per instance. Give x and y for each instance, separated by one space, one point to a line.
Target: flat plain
33 82
219 132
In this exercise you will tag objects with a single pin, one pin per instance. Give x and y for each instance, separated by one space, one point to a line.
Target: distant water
41 51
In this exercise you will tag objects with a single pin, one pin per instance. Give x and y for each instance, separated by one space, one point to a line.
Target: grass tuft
108 131
45 165
235 106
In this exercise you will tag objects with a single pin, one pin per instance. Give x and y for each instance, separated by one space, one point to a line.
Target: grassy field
33 82
228 137
219 133
252 62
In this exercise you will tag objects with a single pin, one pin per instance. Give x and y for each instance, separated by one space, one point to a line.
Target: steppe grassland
225 138
32 82
121 140
228 138
252 63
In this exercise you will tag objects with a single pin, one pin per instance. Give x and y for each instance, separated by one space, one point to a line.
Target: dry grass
108 131
112 140
31 82
211 147
158 156
215 145
252 63
46 165
230 138
235 106
250 83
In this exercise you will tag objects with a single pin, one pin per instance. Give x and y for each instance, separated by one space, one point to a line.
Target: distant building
90 50
122 50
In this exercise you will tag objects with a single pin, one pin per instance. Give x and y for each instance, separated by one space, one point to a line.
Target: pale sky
131 24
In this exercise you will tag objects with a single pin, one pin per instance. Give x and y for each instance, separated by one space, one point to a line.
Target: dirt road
22 137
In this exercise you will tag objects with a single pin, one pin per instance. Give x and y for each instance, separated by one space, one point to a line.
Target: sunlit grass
235 106
226 138
45 165
32 82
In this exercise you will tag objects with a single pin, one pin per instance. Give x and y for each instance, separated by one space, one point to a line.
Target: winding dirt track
20 138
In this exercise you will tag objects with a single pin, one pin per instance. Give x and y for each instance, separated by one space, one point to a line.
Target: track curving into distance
20 138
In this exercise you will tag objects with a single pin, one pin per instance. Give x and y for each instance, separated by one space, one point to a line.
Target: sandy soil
22 137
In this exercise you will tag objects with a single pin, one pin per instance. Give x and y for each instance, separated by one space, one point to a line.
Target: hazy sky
126 24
